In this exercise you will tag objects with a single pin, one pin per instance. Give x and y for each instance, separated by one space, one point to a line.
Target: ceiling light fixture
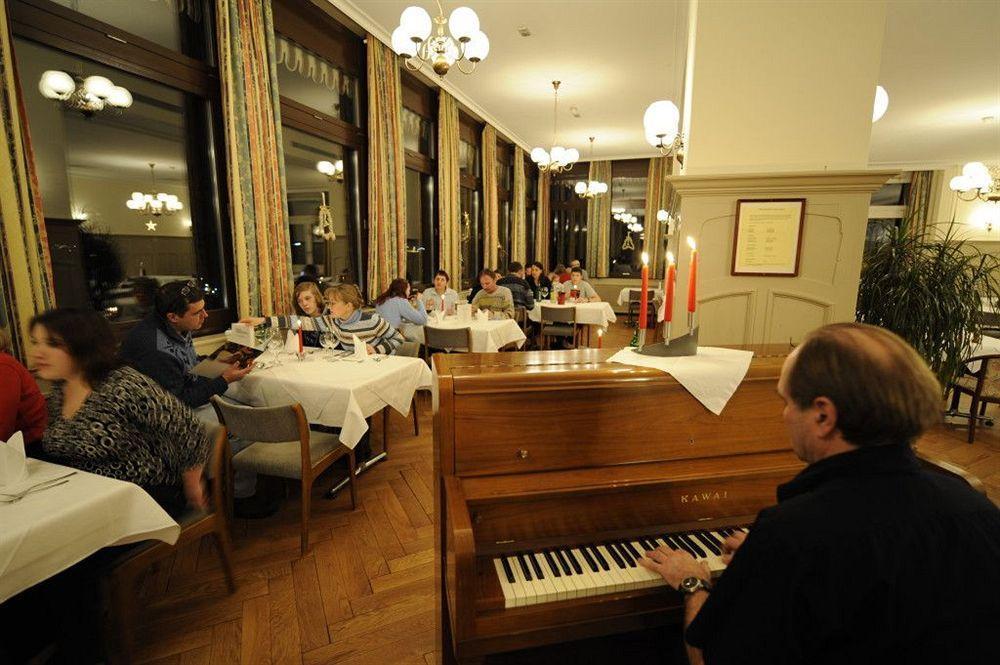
412 39
557 159
977 182
154 204
332 170
881 103
589 189
86 95
661 123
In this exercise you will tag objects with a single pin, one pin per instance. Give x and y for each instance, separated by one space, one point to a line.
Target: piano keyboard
530 578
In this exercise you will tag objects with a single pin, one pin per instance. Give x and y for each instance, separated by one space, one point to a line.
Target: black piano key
726 532
601 561
563 562
669 542
553 566
506 569
636 554
682 545
525 569
714 539
624 554
708 544
650 544
698 552
589 559
534 566
575 562
615 557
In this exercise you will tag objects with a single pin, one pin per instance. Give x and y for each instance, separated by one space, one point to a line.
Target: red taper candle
693 277
644 296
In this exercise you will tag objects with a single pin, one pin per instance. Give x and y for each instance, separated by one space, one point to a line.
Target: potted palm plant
930 288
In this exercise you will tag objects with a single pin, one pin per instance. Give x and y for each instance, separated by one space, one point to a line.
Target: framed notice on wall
768 238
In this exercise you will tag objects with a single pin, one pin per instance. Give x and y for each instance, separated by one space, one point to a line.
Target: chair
120 585
983 386
284 447
410 350
446 340
634 302
558 322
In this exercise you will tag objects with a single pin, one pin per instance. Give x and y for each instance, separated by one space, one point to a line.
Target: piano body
563 466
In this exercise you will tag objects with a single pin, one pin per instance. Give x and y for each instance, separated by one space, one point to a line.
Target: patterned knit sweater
128 428
368 326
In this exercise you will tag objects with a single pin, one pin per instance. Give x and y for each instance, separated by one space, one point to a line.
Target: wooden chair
634 300
558 322
411 350
983 386
120 585
446 340
284 447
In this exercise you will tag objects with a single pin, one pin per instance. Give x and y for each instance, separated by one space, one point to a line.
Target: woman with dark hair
396 307
441 298
112 420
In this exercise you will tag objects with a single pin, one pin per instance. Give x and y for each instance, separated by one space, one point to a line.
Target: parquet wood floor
364 593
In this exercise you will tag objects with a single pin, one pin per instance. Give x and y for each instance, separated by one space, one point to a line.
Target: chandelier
332 170
86 95
630 221
881 103
412 39
589 189
660 124
977 182
154 204
558 159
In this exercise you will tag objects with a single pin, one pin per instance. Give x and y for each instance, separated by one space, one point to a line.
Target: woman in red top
22 407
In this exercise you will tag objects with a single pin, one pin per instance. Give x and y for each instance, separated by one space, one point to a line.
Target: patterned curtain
918 203
449 193
491 205
256 163
543 223
25 264
599 223
386 170
657 198
519 242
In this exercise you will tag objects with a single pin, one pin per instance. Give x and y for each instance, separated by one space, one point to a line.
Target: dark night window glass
313 81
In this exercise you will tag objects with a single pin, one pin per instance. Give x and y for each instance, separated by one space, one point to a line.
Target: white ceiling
941 68
940 65
614 57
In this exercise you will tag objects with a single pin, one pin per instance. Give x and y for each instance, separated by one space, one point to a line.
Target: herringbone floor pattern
364 593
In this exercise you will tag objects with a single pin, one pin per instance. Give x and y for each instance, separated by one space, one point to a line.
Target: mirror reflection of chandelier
86 95
332 170
154 204
630 221
590 189
977 182
558 159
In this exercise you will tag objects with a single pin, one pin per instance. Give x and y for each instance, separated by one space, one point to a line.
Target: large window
420 144
90 162
628 198
569 221
531 206
505 202
469 158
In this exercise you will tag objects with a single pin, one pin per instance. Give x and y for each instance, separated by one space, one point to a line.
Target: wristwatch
689 585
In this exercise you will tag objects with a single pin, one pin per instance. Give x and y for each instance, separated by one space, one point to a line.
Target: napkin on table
292 342
482 315
13 467
464 312
360 349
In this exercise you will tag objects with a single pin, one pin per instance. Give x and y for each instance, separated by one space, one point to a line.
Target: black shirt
536 287
866 558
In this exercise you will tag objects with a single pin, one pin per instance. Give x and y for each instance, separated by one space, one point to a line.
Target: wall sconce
332 170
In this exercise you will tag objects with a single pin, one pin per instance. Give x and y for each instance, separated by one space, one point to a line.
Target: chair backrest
448 338
635 295
219 468
408 350
558 314
263 423
520 315
989 376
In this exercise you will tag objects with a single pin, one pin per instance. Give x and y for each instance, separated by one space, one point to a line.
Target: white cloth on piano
711 376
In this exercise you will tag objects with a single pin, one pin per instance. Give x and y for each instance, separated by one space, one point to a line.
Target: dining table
63 516
625 295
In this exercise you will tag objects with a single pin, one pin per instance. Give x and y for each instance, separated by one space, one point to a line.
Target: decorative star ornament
150 225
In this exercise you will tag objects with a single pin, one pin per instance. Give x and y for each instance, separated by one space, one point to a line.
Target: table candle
600 338
298 324
693 277
668 303
442 303
644 296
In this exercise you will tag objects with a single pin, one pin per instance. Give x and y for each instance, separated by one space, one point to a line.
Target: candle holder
685 345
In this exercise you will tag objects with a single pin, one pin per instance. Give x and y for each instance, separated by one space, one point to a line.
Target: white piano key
519 586
614 573
558 580
551 594
505 585
535 588
575 583
589 583
648 577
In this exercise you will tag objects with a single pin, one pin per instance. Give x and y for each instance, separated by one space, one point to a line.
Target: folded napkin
13 468
711 376
434 316
482 315
360 348
242 333
464 311
292 342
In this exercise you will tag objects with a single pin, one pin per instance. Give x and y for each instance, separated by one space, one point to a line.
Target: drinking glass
275 344
327 340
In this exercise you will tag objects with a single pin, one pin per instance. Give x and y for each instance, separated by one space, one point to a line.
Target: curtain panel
25 265
918 202
386 170
449 192
256 162
519 238
599 223
491 204
543 225
657 198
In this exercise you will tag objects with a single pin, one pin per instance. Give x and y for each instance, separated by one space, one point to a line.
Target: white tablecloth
487 336
589 313
623 295
49 531
711 376
337 394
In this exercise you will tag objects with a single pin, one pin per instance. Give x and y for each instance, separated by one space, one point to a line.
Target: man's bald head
882 389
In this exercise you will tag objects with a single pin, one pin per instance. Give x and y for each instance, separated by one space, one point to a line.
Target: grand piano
555 470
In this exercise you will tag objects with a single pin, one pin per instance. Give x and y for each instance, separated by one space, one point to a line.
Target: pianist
866 557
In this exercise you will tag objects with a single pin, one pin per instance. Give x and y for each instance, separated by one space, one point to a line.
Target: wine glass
327 340
275 344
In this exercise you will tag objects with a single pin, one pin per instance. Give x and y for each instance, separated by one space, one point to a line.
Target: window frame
422 100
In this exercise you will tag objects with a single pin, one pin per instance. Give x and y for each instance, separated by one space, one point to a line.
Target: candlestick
644 296
693 278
